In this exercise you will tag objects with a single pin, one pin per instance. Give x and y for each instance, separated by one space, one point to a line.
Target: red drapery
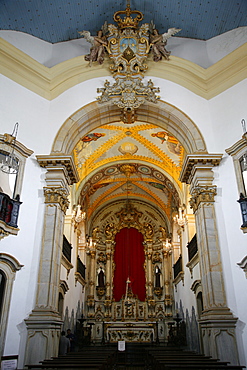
129 260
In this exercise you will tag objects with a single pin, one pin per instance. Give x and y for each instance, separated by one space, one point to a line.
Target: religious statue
97 51
101 277
157 277
158 42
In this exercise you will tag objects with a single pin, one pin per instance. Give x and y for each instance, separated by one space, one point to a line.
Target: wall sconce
243 166
10 163
243 205
79 215
180 219
243 125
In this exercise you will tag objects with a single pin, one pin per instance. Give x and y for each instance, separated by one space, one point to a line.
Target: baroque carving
203 194
156 257
128 46
100 291
148 231
128 95
128 217
158 291
57 195
127 169
101 258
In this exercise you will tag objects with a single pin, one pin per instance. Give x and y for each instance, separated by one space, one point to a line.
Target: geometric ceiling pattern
60 20
119 161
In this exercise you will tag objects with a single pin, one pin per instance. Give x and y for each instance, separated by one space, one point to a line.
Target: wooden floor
136 357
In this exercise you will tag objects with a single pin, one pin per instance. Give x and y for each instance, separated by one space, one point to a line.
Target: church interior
123 176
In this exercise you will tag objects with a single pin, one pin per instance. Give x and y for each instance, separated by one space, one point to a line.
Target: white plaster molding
243 265
192 263
51 82
178 278
66 264
79 278
196 287
8 265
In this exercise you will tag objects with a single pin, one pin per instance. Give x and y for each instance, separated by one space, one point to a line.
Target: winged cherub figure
97 50
158 42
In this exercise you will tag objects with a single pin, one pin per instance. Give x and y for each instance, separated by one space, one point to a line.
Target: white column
44 323
217 322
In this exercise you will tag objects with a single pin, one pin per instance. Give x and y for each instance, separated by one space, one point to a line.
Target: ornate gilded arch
163 114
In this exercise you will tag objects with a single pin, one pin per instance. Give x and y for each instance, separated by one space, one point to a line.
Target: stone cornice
238 146
22 149
204 160
51 82
66 161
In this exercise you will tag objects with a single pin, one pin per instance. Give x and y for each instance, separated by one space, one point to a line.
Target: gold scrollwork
57 195
113 41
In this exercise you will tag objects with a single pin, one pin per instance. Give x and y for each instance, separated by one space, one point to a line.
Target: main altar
132 331
129 291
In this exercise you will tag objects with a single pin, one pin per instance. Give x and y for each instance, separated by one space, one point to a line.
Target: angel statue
97 50
158 42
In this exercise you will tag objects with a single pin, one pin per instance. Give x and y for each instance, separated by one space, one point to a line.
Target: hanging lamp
9 162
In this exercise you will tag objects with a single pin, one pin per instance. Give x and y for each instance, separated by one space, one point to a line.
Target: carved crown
128 21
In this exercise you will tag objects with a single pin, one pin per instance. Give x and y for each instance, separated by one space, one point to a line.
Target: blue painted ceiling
60 20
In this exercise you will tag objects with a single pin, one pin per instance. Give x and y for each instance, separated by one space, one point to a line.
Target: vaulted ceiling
60 20
139 161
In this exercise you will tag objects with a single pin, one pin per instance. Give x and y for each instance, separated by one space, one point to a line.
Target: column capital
57 195
195 162
203 194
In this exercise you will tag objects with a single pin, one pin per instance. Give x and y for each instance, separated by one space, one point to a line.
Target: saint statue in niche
101 277
157 277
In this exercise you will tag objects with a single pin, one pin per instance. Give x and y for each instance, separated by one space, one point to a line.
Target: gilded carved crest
128 46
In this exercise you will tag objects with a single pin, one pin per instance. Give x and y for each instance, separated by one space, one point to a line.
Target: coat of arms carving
128 46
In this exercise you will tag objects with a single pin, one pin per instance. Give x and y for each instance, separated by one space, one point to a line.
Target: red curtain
129 261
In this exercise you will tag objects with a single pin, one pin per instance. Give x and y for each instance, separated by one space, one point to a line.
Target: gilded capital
92 254
203 194
57 195
108 256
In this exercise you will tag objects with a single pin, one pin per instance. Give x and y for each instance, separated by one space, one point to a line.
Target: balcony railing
67 248
192 247
177 267
81 268
9 210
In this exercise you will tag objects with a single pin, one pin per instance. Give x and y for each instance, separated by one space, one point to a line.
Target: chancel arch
162 114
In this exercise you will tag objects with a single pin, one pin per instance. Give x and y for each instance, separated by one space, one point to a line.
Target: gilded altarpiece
128 318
